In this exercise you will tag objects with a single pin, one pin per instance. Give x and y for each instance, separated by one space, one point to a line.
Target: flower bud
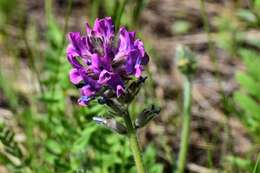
146 115
117 108
112 124
185 60
133 89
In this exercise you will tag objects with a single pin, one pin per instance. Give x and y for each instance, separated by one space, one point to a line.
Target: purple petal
104 77
89 80
140 46
87 91
88 29
119 90
84 100
95 62
74 62
72 55
75 76
138 70
126 40
80 46
104 27
86 48
75 40
114 81
131 61
99 63
71 51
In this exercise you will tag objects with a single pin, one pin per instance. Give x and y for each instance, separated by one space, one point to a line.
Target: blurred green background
42 129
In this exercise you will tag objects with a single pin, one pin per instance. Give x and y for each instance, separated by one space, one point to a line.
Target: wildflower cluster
108 67
103 62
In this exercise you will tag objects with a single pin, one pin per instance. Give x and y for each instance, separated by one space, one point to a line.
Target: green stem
185 134
212 49
256 164
134 144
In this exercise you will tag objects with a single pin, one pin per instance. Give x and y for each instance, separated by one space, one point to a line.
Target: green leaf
54 147
251 107
86 134
54 34
236 161
248 84
251 61
247 15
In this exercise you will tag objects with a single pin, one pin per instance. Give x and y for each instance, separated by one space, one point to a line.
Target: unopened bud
108 93
115 106
111 124
133 89
146 116
185 60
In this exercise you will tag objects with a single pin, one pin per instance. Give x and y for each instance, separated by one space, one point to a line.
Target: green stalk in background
185 134
95 5
212 50
256 164
224 99
187 65
119 13
139 6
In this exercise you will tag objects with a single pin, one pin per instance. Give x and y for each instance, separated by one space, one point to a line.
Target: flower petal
75 76
105 27
84 100
119 90
138 70
75 40
87 91
140 46
126 40
104 77
131 61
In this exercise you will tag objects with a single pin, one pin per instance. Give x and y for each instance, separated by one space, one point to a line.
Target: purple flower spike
98 63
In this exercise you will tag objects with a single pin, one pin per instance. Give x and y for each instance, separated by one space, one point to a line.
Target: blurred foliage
232 37
6 11
248 97
181 26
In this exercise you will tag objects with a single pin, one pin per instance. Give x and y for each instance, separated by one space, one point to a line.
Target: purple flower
99 60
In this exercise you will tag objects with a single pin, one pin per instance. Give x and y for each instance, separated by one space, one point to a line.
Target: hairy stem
185 134
134 144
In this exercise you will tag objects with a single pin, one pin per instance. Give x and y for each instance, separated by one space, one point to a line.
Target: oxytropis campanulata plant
108 67
187 64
